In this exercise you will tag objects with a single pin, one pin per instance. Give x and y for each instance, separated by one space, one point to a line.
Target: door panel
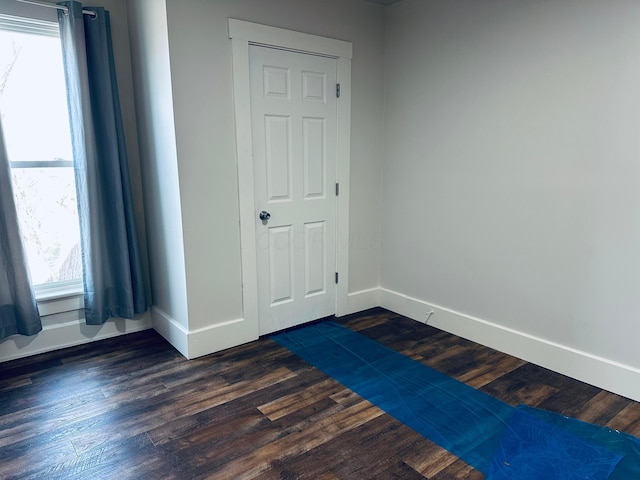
281 264
278 156
315 243
313 137
293 114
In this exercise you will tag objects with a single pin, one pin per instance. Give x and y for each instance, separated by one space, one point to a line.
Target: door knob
264 216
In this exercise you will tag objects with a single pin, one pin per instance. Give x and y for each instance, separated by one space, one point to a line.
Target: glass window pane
33 97
48 216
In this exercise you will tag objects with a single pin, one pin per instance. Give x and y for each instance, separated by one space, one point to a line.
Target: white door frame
242 34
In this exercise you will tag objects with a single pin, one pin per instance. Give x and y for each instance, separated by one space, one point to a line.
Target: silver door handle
264 216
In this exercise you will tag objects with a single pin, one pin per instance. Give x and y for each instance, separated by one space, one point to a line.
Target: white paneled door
294 129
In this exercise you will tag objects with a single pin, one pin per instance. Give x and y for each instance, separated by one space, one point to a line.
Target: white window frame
55 297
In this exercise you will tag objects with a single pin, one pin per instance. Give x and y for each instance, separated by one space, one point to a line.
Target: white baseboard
171 330
68 334
202 341
601 372
362 300
214 338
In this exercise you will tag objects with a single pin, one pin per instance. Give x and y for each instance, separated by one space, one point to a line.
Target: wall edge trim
69 334
589 368
361 300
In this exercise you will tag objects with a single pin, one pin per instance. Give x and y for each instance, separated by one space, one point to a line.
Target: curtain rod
64 8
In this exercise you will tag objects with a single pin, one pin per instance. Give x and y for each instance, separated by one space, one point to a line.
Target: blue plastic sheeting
468 423
532 448
457 417
620 443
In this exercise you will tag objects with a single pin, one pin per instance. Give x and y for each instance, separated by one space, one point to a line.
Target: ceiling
383 2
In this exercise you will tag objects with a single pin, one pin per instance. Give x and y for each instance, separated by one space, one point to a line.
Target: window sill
59 298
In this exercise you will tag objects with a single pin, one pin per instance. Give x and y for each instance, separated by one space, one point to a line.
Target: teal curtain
18 309
111 259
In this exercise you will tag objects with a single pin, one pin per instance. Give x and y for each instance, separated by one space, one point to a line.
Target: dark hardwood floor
132 408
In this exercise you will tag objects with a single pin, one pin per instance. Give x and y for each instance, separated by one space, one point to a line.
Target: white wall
201 75
510 187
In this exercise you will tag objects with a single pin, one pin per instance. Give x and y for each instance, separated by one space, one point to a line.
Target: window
38 140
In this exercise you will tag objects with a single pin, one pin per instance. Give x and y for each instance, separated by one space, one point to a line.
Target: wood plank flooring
132 408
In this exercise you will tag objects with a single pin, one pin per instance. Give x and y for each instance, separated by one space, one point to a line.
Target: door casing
243 34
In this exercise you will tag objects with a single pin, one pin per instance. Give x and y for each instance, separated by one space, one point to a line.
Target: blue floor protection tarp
493 437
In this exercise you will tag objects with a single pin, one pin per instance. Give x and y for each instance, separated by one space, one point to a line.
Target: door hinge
338 90
336 277
337 189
